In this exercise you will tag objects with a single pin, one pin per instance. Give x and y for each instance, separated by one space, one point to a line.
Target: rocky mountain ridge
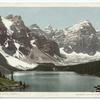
30 46
81 38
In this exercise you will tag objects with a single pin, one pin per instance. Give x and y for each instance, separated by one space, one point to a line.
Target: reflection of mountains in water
35 73
46 73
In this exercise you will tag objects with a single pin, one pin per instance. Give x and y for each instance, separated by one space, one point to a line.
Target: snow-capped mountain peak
49 45
79 27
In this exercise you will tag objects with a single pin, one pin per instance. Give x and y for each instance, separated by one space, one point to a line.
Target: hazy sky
57 17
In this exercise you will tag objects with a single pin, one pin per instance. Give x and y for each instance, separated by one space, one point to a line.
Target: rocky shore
10 85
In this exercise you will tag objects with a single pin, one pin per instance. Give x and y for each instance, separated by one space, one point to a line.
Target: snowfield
16 63
77 58
71 59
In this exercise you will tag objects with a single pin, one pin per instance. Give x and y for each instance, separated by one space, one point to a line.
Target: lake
56 81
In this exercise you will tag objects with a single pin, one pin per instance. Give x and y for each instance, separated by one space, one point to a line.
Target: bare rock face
36 31
55 35
10 47
3 32
48 46
23 35
42 46
81 38
12 31
44 43
50 32
20 31
98 36
24 49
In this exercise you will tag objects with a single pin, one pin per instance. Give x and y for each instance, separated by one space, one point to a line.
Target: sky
58 17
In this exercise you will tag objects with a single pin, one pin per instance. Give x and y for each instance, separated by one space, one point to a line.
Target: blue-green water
56 81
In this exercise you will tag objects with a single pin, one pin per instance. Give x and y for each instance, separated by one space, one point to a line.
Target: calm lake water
56 81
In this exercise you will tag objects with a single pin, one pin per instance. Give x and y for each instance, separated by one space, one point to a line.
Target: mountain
43 43
55 35
22 47
3 32
80 38
25 48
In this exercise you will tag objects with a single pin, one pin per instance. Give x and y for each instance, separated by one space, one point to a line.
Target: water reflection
57 81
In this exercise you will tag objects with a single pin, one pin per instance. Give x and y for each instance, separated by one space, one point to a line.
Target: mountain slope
22 48
25 48
81 38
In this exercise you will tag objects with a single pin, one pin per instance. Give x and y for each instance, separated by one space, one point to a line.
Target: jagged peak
9 16
14 17
49 27
85 23
34 26
82 25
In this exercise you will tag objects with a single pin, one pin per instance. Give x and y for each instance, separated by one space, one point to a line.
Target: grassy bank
9 85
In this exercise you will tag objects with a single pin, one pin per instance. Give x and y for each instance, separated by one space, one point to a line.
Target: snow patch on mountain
18 54
7 24
77 58
77 27
32 43
20 64
17 45
16 63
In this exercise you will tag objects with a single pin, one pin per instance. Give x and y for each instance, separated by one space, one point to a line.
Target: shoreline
10 85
